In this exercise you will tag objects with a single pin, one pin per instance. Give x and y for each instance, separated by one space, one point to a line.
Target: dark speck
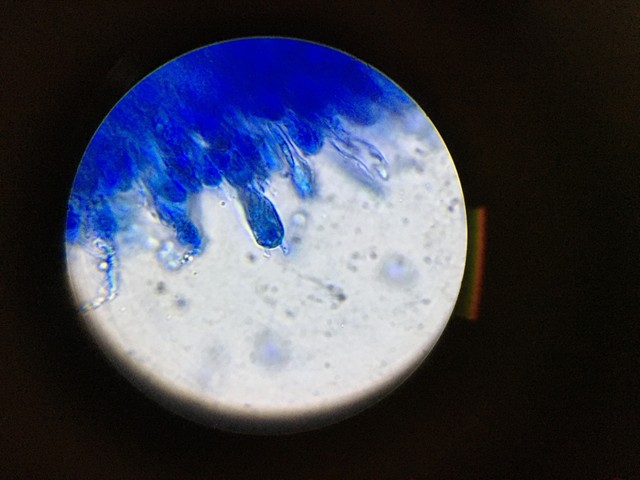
336 292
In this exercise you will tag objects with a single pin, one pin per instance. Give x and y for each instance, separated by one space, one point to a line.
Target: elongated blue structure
230 115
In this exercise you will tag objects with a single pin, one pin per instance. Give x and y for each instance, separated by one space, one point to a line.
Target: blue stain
174 214
229 114
304 134
263 218
302 177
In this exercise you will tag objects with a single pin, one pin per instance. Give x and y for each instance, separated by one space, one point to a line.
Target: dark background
539 107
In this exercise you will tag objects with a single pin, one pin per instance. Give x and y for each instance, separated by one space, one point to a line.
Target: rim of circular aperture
282 419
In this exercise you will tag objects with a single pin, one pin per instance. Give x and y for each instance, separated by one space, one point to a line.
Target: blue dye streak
230 113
